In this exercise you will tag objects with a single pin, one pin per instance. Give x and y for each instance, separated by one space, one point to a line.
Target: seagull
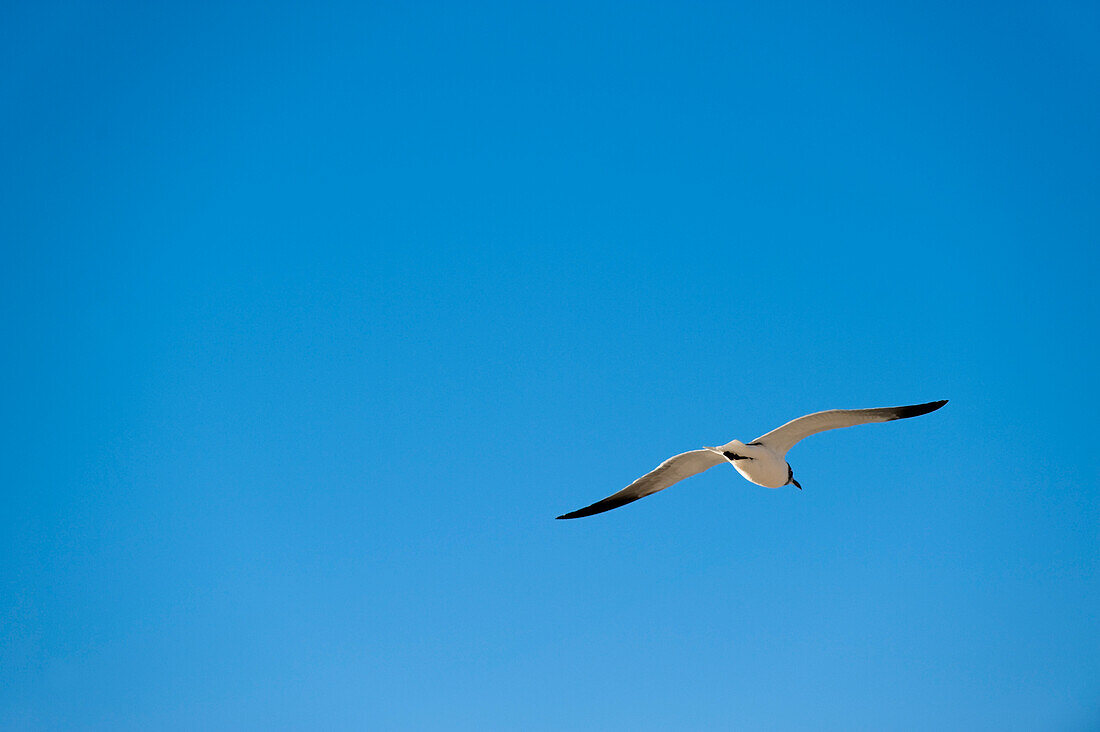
762 461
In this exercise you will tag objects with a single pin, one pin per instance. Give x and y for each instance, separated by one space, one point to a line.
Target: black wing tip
598 507
916 410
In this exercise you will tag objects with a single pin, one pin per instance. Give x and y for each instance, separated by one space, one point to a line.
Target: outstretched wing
782 439
670 471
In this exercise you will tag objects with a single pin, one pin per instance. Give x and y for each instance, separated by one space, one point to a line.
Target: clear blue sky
314 316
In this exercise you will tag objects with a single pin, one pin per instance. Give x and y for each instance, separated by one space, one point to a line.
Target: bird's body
762 461
757 463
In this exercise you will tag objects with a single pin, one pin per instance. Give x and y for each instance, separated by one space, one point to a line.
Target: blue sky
316 315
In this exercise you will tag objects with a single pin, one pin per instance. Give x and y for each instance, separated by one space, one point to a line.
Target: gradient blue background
315 316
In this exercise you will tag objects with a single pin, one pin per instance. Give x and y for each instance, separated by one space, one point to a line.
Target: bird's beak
796 485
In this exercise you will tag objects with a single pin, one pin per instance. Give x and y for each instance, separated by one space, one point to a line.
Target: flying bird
762 461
